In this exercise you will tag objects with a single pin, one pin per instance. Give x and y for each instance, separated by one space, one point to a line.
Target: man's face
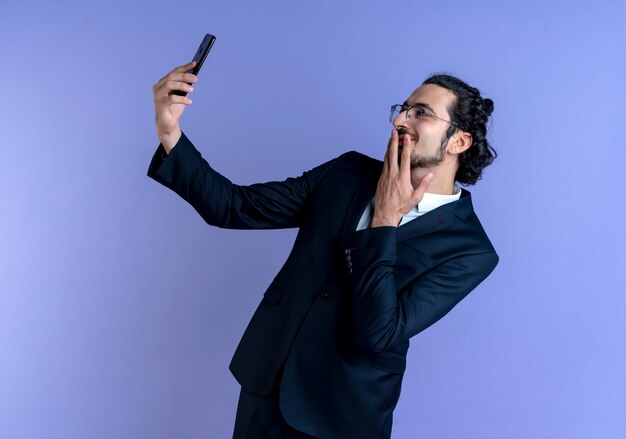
428 133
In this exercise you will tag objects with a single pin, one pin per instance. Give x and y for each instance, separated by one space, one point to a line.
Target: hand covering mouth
401 133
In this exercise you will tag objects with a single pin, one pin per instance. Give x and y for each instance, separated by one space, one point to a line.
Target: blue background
120 309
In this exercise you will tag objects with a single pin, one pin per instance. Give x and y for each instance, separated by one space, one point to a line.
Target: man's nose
400 121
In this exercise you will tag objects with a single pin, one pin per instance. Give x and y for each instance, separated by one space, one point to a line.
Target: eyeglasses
415 112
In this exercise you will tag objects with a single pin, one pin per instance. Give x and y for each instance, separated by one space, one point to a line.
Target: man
383 251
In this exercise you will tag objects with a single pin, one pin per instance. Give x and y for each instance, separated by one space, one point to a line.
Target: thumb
421 189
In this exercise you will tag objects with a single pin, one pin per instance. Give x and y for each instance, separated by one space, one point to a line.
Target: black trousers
260 418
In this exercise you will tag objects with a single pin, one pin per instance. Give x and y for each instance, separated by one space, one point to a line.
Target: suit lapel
433 221
363 196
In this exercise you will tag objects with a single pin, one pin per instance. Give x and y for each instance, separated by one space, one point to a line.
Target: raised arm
272 205
178 165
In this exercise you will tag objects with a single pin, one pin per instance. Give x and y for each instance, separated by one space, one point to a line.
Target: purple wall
120 309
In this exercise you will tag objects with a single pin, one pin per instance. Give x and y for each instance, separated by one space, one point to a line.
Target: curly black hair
470 112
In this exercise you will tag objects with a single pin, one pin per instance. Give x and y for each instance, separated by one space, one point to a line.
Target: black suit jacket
333 328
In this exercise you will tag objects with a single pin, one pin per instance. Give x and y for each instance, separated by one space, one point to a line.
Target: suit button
327 295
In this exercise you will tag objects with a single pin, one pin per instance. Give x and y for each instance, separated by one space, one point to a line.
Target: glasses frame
408 108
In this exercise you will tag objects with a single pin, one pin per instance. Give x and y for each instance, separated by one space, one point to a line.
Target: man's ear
460 142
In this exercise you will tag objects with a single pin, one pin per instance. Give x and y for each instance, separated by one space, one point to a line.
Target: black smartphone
203 51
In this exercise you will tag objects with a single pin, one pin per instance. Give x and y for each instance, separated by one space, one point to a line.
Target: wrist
169 140
384 222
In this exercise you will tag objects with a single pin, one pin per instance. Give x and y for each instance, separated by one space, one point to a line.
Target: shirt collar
432 201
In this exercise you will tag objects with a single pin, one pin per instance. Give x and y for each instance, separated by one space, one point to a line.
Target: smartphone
203 51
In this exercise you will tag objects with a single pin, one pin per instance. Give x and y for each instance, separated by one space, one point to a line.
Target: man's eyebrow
421 104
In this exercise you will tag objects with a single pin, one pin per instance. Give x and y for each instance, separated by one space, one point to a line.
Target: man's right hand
168 106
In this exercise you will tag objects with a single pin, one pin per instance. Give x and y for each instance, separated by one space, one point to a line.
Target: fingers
185 67
405 158
175 99
392 150
177 85
166 88
178 75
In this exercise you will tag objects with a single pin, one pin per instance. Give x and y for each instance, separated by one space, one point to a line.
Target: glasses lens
395 111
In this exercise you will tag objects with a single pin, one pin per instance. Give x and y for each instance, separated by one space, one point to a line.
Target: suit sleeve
382 316
272 205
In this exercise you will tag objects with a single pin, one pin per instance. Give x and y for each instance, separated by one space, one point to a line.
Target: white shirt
429 202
